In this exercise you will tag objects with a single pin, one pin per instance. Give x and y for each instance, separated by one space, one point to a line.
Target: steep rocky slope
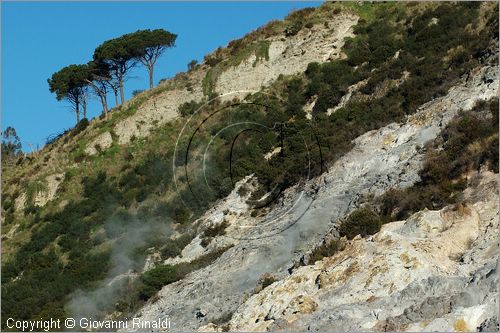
106 214
423 252
436 271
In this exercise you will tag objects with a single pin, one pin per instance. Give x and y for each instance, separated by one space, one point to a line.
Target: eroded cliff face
436 270
289 55
286 56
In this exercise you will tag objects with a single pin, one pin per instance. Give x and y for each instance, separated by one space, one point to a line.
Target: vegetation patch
468 143
153 280
326 249
212 232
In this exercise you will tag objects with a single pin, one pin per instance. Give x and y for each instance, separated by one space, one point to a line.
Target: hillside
335 169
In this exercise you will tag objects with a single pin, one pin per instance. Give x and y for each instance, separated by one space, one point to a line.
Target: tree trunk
122 95
77 111
151 69
104 105
115 91
84 106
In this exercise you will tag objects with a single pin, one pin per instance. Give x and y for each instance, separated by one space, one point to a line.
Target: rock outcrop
389 271
287 56
435 271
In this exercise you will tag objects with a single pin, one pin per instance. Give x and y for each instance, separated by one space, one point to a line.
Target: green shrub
293 28
80 158
267 281
296 20
468 142
212 232
326 249
173 247
80 127
362 221
214 58
31 209
189 108
154 279
181 213
205 241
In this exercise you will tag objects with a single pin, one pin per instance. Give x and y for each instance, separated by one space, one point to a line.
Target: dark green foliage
137 92
296 20
189 108
329 82
45 278
181 213
421 53
214 58
31 209
296 98
326 249
156 278
80 127
69 83
118 55
152 174
153 280
80 158
148 46
468 143
192 64
173 247
11 145
363 221
423 50
213 231
216 230
267 281
293 28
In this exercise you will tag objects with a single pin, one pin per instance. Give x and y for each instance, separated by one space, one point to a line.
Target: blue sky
39 38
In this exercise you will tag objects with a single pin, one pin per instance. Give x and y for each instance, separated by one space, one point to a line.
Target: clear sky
39 38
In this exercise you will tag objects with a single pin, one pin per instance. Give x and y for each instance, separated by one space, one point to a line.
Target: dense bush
82 125
213 231
173 247
296 20
216 230
214 58
363 221
189 108
468 143
154 279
